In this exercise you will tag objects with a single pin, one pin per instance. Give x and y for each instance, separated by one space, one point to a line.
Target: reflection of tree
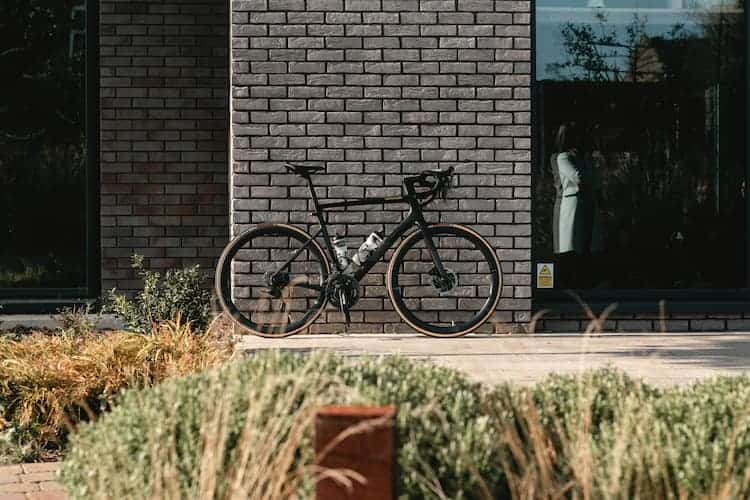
724 30
42 79
42 142
665 120
596 53
600 53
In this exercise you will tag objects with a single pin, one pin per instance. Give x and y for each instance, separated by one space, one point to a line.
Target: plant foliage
599 435
50 383
180 292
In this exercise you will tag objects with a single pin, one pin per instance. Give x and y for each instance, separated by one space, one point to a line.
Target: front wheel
449 304
271 280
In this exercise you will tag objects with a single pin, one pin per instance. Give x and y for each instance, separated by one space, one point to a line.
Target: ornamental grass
245 431
604 435
51 382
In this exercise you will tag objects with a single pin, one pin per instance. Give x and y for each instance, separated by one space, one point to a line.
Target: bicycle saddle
303 170
438 172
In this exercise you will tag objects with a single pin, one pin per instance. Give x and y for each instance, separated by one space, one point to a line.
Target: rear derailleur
343 292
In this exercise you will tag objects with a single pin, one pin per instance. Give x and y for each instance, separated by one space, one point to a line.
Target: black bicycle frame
414 217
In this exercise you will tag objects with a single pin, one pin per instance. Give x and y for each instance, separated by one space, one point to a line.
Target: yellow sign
545 275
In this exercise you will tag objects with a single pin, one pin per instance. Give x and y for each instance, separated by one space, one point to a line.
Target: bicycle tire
399 300
224 276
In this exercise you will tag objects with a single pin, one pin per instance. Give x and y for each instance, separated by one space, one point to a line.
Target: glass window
42 144
641 132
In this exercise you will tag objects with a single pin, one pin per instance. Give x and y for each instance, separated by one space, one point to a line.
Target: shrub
604 435
182 292
601 435
267 396
12 451
77 320
49 383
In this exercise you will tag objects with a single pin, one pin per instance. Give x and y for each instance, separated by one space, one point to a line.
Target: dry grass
244 432
639 457
634 459
49 383
265 462
267 455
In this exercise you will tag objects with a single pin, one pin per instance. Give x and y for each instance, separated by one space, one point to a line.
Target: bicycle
444 280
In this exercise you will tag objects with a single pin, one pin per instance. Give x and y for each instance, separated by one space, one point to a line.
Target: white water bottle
339 247
367 248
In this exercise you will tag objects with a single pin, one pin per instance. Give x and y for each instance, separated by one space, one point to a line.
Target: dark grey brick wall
639 322
164 121
377 89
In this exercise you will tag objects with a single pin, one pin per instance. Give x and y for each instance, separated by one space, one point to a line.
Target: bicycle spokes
272 280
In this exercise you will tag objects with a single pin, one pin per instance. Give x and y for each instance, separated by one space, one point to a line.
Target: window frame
44 299
646 300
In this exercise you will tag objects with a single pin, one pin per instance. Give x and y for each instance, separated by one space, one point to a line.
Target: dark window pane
642 125
42 144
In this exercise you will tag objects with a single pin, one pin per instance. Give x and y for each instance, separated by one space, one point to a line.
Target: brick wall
163 108
376 89
640 322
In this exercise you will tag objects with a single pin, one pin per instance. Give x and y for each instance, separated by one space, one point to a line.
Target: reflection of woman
573 210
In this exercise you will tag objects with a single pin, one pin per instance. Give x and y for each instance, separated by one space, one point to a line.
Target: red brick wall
163 109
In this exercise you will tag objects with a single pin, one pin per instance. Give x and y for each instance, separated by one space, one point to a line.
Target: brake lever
447 183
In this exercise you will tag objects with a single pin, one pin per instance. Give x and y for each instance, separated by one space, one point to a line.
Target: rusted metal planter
361 439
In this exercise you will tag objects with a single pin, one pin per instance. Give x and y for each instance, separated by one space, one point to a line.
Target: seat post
313 195
322 221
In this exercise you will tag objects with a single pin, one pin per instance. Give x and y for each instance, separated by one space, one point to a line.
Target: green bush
601 435
77 320
607 434
436 442
179 292
12 451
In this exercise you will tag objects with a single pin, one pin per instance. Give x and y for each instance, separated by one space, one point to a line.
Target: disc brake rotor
445 283
276 282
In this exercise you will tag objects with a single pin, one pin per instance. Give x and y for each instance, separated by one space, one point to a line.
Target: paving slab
661 359
36 481
44 321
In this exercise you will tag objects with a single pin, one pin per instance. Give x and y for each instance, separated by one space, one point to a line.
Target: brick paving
31 482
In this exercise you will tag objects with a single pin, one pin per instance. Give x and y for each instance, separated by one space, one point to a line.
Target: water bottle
341 251
367 248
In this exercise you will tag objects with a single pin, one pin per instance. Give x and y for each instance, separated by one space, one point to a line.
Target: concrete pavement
52 321
662 359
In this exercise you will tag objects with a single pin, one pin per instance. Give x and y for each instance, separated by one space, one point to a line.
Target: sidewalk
661 359
42 321
30 482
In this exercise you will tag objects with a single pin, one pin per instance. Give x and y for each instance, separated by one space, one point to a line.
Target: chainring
345 283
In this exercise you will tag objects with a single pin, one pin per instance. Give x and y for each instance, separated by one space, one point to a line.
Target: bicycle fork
431 246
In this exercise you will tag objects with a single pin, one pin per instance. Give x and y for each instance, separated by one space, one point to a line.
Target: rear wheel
271 280
453 304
